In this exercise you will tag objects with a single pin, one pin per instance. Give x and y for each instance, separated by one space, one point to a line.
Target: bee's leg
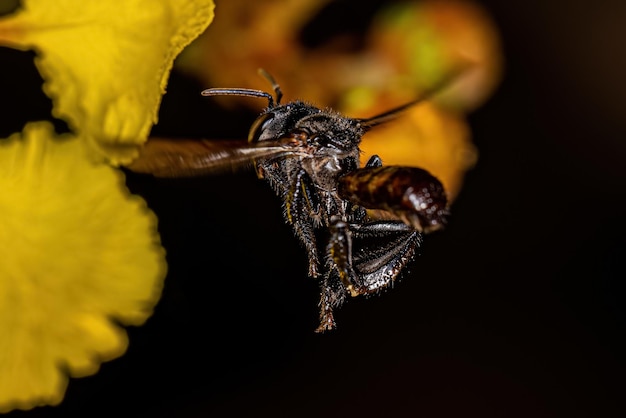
341 279
296 215
304 231
339 256
374 161
384 249
332 296
363 259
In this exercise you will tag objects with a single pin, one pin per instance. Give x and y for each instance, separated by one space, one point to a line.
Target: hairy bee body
310 157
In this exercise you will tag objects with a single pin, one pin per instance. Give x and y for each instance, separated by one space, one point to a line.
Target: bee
360 226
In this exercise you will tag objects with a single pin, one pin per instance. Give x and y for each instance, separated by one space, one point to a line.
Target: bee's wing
167 157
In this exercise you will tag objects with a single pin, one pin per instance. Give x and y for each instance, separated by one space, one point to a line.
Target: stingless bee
360 226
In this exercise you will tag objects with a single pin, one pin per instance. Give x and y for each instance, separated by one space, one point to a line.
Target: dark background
517 309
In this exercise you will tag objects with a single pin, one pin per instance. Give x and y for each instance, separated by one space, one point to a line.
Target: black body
310 157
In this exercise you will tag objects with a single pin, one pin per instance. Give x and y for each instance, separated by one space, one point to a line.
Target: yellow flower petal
78 252
106 62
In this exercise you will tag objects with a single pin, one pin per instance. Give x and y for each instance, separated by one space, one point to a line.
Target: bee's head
307 125
298 123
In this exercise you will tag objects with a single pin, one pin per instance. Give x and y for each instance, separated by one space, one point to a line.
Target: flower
80 254
106 63
78 251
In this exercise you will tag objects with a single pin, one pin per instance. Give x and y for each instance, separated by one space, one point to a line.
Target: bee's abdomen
410 193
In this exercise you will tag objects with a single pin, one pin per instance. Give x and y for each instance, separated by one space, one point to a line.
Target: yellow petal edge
78 252
106 62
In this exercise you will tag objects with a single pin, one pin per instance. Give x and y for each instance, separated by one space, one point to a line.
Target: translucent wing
168 157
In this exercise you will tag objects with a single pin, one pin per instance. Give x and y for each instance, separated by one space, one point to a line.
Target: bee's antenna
275 86
239 92
426 95
250 92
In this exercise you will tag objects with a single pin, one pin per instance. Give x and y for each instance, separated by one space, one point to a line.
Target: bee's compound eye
259 125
